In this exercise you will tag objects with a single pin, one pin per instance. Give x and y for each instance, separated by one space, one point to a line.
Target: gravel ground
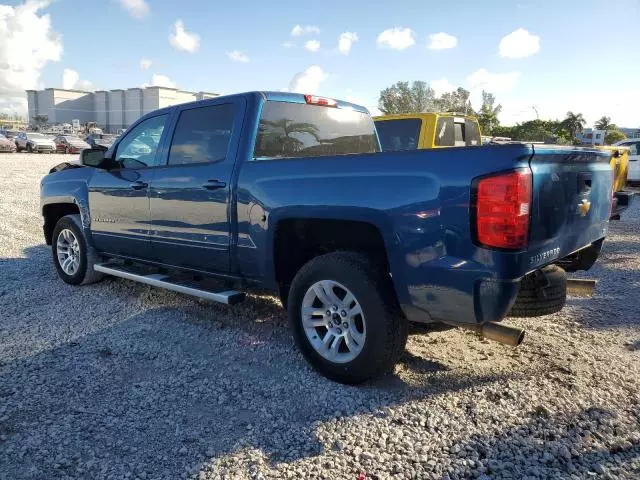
119 380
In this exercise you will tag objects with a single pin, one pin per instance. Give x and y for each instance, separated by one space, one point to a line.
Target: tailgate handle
584 182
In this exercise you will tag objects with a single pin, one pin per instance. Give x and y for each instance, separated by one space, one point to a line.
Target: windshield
397 135
38 136
301 130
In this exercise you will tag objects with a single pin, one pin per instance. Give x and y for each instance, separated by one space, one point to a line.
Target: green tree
404 98
488 114
604 123
613 136
573 124
456 101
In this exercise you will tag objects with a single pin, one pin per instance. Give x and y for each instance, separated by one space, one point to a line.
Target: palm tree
605 124
574 123
277 135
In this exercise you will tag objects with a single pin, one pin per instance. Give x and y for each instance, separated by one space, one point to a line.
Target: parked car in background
34 142
70 144
10 134
291 193
633 172
7 145
100 140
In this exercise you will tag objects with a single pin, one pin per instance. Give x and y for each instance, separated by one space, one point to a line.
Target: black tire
536 300
88 256
29 148
18 149
387 329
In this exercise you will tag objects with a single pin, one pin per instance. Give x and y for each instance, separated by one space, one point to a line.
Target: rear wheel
73 257
344 319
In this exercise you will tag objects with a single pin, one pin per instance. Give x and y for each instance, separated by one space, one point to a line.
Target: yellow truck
620 166
418 131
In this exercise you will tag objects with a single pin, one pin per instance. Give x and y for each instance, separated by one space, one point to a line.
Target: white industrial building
110 109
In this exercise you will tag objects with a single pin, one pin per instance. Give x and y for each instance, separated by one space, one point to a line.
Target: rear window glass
299 130
457 132
397 135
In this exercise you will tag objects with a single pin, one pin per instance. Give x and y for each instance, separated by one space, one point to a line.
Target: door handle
139 185
214 184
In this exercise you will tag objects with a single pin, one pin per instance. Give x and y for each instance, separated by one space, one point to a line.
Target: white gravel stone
119 380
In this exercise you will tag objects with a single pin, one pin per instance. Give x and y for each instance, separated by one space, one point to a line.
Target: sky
535 56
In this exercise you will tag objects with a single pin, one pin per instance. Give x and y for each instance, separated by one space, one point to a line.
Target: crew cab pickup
291 193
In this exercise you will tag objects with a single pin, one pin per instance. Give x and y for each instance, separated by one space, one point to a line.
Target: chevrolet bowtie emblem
584 207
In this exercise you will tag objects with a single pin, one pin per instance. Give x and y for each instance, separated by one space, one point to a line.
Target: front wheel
73 257
29 148
344 317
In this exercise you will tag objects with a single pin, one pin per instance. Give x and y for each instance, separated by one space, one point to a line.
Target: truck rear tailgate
571 201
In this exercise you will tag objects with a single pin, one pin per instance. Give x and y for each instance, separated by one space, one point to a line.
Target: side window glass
202 135
139 147
445 135
633 148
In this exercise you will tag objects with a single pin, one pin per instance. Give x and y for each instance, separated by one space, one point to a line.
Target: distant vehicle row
42 143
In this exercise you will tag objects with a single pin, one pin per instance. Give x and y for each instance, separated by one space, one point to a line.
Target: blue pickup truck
291 193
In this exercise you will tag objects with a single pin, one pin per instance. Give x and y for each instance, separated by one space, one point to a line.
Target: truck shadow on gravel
593 442
120 378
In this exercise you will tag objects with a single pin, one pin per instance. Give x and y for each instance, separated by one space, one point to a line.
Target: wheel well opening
299 240
54 212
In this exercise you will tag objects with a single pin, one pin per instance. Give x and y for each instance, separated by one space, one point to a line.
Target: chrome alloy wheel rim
68 250
333 321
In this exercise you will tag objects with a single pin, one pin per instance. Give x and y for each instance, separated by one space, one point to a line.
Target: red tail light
315 100
503 203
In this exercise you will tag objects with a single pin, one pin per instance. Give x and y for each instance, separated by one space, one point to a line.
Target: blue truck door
118 197
190 195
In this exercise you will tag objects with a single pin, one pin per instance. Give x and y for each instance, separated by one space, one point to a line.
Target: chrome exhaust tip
502 333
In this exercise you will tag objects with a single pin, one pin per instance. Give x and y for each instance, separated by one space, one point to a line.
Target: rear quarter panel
418 200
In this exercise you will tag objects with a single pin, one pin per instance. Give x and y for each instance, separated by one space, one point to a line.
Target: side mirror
92 157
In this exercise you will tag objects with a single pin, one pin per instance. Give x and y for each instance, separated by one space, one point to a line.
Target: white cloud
69 78
145 63
495 83
442 41
181 39
312 45
308 81
136 8
518 44
71 81
397 38
304 30
160 81
27 44
442 86
238 56
287 44
346 41
492 82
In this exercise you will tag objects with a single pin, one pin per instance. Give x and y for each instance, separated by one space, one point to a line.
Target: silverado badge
584 207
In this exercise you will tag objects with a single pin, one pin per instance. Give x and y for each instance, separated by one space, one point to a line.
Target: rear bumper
464 293
621 201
